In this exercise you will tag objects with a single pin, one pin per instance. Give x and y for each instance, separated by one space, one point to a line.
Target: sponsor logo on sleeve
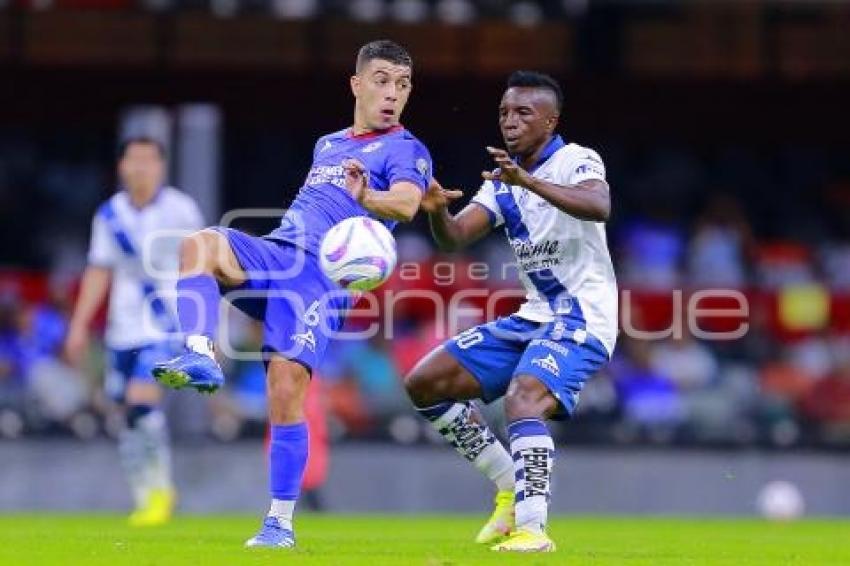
589 169
422 166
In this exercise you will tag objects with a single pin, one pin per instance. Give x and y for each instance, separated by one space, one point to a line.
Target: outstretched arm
453 232
400 202
587 200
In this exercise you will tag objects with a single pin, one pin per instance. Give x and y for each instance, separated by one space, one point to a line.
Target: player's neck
360 129
530 160
140 198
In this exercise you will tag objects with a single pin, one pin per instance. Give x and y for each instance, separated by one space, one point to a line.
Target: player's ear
552 122
355 85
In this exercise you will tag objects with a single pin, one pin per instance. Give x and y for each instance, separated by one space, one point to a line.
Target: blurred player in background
552 199
139 320
373 168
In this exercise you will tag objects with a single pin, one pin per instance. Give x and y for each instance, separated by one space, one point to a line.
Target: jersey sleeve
318 147
409 161
585 166
486 197
103 250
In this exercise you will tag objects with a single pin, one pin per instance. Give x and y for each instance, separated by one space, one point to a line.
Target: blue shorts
286 290
134 364
496 352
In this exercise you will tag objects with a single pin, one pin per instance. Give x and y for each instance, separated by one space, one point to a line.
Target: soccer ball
780 501
358 253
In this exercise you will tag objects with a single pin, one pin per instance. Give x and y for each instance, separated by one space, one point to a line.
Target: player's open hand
437 198
356 179
507 171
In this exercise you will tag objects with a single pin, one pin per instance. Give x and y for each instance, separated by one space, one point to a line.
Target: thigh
254 258
213 250
490 352
563 366
119 368
304 312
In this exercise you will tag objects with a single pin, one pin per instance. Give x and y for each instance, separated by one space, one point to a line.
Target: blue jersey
323 201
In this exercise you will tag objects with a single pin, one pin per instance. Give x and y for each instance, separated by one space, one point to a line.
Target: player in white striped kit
552 199
133 257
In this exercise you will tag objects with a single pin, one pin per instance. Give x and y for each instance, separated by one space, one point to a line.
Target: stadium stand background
723 126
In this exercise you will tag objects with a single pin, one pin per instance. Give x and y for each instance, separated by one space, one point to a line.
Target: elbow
408 212
595 214
603 214
602 211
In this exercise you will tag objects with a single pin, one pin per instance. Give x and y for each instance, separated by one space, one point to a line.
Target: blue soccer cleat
190 369
272 535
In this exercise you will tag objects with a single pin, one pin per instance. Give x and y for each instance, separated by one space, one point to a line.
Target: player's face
381 89
141 168
527 118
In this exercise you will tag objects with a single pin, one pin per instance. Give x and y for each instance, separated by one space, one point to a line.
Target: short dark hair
386 50
537 80
143 140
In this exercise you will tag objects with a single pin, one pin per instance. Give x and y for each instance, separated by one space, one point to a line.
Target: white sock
473 440
154 428
282 510
495 463
131 448
200 344
533 454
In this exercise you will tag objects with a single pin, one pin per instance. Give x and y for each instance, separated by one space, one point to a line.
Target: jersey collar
373 134
553 145
154 199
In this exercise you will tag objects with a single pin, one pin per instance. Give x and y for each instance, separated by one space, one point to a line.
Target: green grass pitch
35 539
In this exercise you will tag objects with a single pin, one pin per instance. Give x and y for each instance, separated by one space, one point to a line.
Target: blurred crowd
784 381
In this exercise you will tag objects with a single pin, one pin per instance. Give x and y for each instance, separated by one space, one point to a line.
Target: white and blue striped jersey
563 262
141 248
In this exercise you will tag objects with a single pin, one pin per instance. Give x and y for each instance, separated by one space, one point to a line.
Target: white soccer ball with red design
359 253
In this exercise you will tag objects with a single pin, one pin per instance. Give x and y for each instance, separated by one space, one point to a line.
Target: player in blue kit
374 168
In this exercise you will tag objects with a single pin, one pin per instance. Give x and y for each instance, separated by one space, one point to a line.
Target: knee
287 385
198 251
528 398
422 388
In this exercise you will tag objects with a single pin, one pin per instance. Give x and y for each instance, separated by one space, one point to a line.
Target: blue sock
197 304
287 460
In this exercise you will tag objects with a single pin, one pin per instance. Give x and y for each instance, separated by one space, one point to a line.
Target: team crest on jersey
548 363
372 147
306 339
422 166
